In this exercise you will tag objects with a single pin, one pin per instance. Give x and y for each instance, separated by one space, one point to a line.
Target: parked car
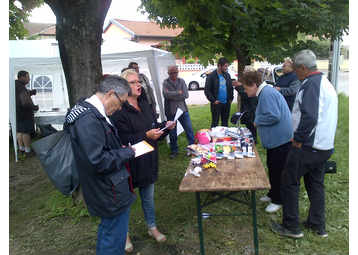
270 73
197 80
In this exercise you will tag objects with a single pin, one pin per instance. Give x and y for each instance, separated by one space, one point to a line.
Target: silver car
197 80
270 73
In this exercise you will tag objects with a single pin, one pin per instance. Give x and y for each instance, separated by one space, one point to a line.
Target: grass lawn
32 232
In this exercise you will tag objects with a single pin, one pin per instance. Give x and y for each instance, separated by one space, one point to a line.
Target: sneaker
282 231
265 199
321 232
271 208
20 152
30 153
173 155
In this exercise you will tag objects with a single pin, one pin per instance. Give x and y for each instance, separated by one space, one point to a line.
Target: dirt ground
33 230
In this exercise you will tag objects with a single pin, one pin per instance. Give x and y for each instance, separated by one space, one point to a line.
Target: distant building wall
343 64
112 29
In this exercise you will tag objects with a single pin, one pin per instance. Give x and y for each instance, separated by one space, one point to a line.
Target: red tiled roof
149 28
49 31
35 28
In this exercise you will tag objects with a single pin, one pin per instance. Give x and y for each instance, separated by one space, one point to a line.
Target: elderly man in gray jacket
175 91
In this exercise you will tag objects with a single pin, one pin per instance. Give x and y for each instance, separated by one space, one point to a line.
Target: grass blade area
42 221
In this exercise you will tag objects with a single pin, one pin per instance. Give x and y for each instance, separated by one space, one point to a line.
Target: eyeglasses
134 82
122 103
173 73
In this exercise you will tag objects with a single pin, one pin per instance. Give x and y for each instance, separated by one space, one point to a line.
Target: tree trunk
79 26
242 61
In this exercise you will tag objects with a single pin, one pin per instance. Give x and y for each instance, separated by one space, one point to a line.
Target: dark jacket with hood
100 160
132 126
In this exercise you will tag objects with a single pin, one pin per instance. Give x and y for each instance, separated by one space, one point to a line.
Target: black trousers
253 131
309 163
276 161
220 110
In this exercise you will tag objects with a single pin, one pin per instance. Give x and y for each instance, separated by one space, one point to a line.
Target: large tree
248 29
79 27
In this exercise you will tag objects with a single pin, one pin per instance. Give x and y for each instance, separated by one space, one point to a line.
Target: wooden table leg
254 221
200 223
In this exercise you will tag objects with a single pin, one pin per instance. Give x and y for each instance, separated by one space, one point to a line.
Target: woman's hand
153 134
236 83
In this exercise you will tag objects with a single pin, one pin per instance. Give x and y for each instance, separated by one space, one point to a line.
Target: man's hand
217 102
169 123
296 144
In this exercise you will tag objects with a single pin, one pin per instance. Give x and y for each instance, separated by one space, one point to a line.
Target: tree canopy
19 11
248 29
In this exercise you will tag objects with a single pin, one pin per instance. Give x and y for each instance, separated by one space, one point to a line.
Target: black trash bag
56 156
47 130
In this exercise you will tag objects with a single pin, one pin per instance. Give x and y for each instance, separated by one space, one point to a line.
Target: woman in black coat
137 122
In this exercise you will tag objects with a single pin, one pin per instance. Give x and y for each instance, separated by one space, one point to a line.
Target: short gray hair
307 58
170 67
116 83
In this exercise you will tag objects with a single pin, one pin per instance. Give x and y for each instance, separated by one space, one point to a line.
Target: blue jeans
112 234
147 198
185 121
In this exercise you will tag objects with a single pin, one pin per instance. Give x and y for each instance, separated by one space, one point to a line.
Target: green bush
190 61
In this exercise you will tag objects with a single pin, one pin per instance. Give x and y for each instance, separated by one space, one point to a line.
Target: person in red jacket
24 113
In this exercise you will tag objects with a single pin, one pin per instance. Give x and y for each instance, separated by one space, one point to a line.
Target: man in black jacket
220 93
24 113
101 162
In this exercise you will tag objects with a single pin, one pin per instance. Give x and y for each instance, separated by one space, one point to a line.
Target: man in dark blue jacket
219 91
101 162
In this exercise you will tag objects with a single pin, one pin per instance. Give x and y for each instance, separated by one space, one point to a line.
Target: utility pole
333 65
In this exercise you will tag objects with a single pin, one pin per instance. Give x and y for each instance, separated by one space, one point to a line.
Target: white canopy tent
41 59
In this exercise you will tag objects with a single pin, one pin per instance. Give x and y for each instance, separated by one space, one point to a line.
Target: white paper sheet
142 148
177 116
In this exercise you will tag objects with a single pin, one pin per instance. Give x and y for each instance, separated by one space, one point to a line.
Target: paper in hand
142 148
177 116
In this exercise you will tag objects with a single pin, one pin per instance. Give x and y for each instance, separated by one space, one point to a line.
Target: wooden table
232 176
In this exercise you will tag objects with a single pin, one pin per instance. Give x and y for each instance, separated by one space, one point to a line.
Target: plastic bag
56 156
203 136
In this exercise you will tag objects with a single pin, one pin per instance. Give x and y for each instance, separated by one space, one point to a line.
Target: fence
189 67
